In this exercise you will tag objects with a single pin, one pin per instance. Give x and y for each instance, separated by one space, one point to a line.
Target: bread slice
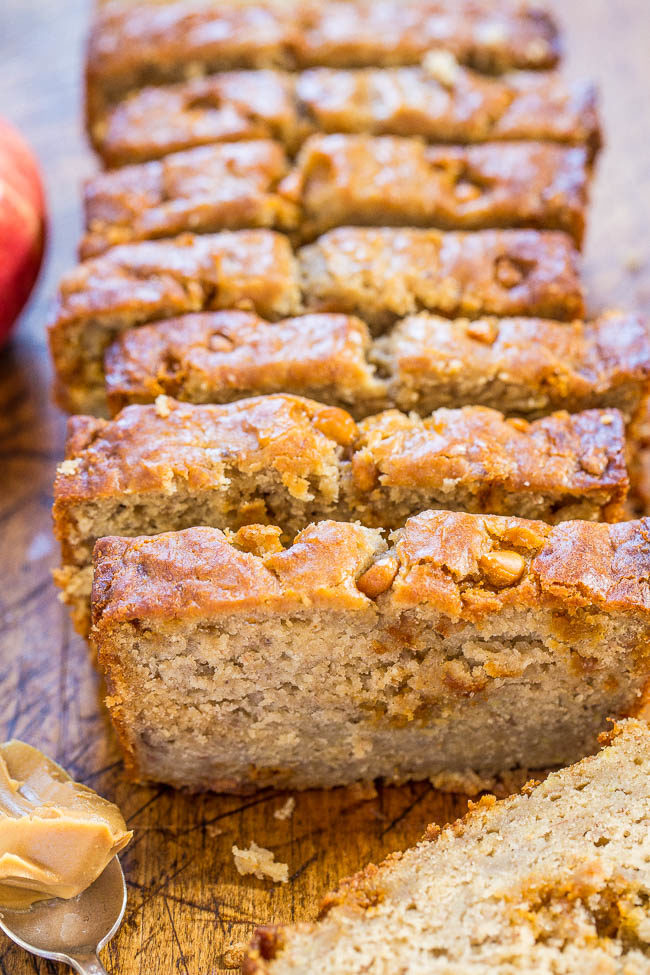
134 46
439 102
474 646
218 357
442 102
554 880
337 180
136 283
155 121
291 461
386 181
519 366
225 187
383 273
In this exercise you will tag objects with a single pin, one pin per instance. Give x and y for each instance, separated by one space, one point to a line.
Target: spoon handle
87 964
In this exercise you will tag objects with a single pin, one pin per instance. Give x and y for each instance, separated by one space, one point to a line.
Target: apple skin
22 225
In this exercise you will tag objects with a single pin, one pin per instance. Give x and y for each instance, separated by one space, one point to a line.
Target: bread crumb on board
69 467
233 955
260 862
162 406
285 811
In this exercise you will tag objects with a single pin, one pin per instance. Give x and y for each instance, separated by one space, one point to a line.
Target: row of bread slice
339 180
438 102
290 461
132 45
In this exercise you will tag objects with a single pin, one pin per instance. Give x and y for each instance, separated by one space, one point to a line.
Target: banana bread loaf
145 43
338 180
474 646
291 461
439 102
520 366
382 273
553 880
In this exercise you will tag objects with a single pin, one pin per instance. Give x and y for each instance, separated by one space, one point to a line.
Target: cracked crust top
463 566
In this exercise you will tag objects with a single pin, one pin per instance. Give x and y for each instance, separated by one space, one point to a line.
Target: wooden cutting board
187 904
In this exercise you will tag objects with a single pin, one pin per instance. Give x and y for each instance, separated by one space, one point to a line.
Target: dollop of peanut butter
56 836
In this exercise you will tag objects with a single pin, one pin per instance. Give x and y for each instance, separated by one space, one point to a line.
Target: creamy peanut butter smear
56 836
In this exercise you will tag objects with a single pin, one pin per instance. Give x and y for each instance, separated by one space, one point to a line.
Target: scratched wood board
187 904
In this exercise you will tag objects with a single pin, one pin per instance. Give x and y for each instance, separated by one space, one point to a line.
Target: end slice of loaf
519 366
554 880
476 645
291 461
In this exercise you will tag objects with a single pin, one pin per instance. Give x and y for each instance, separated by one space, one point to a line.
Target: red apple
22 225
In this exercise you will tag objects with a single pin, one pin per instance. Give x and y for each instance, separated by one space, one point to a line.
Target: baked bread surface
338 180
290 461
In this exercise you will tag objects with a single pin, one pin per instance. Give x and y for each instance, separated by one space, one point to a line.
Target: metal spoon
72 931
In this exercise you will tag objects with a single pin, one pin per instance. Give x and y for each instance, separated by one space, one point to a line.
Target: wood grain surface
187 904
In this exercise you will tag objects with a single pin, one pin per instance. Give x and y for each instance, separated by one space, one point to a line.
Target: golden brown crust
381 273
564 456
135 45
153 449
224 187
250 268
183 564
446 562
387 181
230 106
226 107
222 356
384 273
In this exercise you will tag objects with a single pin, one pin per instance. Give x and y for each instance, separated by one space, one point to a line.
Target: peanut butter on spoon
56 836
